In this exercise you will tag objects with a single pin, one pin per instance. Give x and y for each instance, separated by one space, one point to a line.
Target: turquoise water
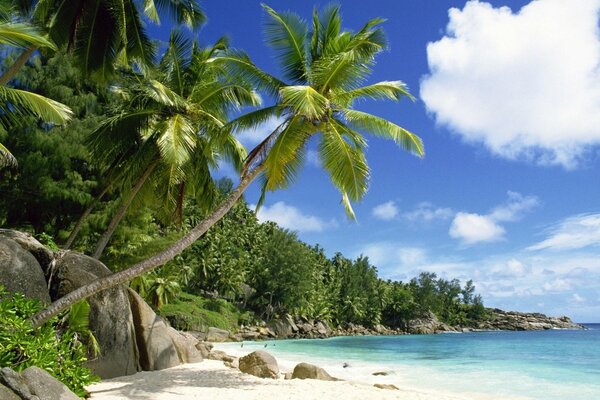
532 365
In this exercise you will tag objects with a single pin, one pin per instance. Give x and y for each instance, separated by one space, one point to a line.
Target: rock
518 321
250 335
309 371
156 348
380 373
281 328
32 384
287 376
15 382
305 327
20 272
204 348
217 335
111 320
7 394
291 322
427 325
322 328
384 386
185 347
261 364
45 386
42 254
217 355
234 363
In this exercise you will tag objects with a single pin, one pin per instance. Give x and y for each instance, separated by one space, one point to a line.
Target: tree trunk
19 62
116 219
82 219
151 263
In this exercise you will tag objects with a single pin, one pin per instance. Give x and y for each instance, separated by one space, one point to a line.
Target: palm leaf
286 33
286 155
343 71
305 101
176 140
386 129
345 163
23 35
186 12
6 158
385 90
237 63
175 61
21 101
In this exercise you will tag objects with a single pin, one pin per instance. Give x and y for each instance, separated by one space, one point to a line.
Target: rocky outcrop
259 363
21 272
217 335
32 384
111 319
518 321
309 371
428 324
26 266
385 386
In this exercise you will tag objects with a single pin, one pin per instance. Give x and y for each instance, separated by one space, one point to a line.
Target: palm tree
101 34
325 68
161 130
15 103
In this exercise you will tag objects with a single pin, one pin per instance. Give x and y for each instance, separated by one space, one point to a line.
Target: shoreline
212 379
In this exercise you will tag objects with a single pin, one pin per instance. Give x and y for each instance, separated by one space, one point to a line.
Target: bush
53 347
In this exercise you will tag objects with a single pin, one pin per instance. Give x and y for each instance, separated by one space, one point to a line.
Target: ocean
545 365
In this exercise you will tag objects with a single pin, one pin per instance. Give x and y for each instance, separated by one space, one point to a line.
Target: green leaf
21 101
23 35
385 90
305 101
286 33
386 129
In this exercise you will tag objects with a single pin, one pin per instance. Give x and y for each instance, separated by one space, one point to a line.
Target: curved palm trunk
151 263
86 213
116 219
19 62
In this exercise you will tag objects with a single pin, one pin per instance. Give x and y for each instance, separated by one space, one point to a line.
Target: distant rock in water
518 321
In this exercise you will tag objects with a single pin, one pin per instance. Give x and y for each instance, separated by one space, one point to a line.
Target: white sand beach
212 380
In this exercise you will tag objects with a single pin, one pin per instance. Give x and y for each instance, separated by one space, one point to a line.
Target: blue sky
508 106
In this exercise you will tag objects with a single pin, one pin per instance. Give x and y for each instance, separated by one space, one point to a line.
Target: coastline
212 379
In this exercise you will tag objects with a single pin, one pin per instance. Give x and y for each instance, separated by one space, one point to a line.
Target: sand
211 379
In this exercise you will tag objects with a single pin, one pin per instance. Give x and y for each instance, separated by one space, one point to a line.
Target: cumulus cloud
475 228
252 137
290 217
386 211
525 84
427 212
471 228
572 233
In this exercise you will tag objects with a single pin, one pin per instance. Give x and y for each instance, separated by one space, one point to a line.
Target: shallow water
547 365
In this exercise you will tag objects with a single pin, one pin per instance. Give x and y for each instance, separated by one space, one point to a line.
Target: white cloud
252 137
386 211
557 285
514 208
573 233
290 217
312 158
426 212
475 228
525 84
577 298
471 228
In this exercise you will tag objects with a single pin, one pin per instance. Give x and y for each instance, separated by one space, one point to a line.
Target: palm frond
21 101
385 90
345 163
305 101
188 12
175 61
286 33
386 129
176 140
6 158
22 36
140 47
237 63
341 70
254 119
286 155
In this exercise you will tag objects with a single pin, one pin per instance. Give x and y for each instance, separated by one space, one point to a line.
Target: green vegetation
59 346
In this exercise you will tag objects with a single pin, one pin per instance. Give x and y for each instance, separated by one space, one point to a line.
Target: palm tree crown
325 68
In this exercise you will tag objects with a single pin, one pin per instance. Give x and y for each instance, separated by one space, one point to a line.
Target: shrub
54 347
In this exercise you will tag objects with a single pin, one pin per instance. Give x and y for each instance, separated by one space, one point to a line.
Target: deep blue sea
548 365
